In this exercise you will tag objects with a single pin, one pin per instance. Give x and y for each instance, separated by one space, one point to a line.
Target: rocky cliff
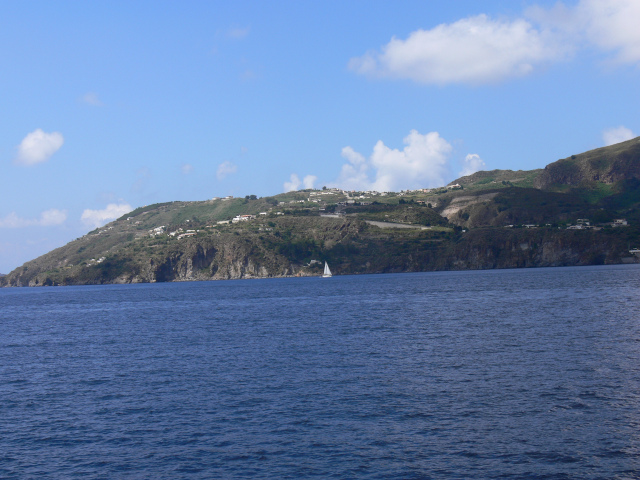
523 248
361 249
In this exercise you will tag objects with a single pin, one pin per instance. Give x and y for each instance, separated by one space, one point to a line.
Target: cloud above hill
225 169
472 164
97 218
474 50
423 162
38 146
482 50
610 26
611 136
295 183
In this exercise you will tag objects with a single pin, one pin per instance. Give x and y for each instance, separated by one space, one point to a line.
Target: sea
501 374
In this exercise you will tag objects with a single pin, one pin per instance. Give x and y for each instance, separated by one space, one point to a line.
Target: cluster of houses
179 233
315 195
365 194
103 231
620 222
93 261
180 236
582 224
455 186
585 224
328 191
352 202
157 231
242 218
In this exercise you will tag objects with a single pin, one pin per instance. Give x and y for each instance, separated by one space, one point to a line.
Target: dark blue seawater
453 375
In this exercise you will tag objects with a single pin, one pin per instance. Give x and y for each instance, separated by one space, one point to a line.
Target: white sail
327 272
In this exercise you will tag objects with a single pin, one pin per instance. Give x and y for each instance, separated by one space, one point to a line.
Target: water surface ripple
453 375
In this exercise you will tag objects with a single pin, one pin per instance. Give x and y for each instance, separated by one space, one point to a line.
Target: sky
108 106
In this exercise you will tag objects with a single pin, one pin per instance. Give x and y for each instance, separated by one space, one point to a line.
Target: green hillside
494 179
604 166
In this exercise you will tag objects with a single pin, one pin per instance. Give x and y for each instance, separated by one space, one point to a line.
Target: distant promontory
581 210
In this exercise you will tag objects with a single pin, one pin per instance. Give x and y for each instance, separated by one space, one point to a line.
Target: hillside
273 236
498 179
600 185
607 166
495 219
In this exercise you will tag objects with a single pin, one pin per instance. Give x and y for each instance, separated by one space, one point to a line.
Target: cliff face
535 248
607 165
240 252
367 250
206 259
226 261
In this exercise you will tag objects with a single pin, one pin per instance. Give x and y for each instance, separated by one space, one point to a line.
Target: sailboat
327 272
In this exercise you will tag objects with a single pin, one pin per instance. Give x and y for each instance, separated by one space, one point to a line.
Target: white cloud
48 218
97 218
615 135
422 163
13 221
355 174
309 180
479 49
609 25
53 217
225 169
293 184
92 99
238 33
38 146
187 168
472 164
474 50
356 159
613 25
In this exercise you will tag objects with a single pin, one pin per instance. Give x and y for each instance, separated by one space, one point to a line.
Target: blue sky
107 106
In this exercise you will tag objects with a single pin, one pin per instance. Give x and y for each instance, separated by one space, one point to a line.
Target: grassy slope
607 165
494 179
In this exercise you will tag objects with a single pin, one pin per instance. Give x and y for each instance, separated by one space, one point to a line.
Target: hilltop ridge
606 165
498 179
